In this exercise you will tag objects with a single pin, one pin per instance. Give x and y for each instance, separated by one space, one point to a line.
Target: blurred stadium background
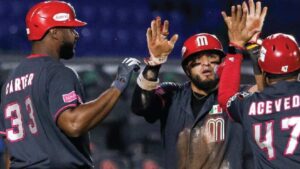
116 29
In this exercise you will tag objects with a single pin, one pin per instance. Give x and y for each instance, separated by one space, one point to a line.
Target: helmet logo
262 55
27 31
285 68
61 17
202 41
183 50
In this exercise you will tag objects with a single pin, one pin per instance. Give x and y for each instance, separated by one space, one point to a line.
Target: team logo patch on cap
183 50
27 31
61 17
285 68
69 97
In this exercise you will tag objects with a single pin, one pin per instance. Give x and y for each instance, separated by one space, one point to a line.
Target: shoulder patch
244 94
69 97
240 95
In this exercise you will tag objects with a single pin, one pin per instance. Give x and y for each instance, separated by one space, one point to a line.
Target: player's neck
198 91
274 81
42 49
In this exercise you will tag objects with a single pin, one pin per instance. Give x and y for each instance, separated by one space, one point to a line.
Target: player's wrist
145 84
256 39
237 43
121 82
151 72
253 50
117 86
156 59
234 48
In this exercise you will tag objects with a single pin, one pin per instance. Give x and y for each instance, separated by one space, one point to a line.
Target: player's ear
54 33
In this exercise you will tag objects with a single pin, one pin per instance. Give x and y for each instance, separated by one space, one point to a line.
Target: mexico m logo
216 128
202 41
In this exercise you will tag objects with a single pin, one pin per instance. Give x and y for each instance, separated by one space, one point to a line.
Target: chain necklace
197 97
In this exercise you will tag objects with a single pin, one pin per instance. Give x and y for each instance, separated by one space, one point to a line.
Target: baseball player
191 119
271 117
44 116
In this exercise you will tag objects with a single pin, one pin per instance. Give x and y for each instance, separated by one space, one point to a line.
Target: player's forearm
144 94
81 119
253 51
98 109
230 79
144 101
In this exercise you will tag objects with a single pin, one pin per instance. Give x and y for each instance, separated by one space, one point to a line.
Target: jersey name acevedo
271 119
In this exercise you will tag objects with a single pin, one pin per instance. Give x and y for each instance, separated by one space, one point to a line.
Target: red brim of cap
76 23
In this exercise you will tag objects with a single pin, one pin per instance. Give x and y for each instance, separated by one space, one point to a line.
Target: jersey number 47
267 143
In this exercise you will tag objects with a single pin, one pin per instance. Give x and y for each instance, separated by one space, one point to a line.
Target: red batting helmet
45 15
199 43
279 54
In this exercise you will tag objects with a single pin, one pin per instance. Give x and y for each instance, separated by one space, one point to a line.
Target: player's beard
67 50
206 85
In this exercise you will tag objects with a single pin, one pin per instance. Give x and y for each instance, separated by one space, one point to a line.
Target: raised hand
256 17
125 70
236 25
244 24
158 44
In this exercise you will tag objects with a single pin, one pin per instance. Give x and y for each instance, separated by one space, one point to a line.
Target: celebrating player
44 117
270 117
188 110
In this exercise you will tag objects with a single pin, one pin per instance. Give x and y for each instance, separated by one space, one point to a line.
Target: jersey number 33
13 113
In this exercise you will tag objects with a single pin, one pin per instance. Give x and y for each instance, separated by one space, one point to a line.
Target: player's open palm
238 32
255 17
158 43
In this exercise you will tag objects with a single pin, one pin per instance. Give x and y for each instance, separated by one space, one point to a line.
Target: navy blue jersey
272 123
33 97
221 141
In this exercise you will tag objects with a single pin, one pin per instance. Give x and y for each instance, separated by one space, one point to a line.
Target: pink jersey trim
2 133
35 56
63 109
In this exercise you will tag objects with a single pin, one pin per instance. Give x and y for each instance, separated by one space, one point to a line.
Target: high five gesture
245 22
158 44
